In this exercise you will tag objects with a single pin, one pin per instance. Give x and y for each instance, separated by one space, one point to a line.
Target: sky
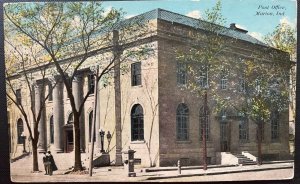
259 17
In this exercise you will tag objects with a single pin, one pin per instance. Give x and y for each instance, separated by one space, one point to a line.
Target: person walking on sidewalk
52 164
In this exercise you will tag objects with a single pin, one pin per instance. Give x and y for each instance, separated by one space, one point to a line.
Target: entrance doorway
69 141
225 136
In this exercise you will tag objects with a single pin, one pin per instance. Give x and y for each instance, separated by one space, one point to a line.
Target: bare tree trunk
259 139
77 164
35 163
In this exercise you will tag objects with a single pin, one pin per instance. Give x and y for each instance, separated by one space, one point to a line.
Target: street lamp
108 136
23 140
102 133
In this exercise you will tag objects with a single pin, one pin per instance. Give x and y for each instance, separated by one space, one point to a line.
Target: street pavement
21 172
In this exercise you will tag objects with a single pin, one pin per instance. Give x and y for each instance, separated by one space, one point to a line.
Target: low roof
169 16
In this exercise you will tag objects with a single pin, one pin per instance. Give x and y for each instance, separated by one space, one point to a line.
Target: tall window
70 118
136 74
257 85
275 126
242 85
243 129
90 127
203 79
182 122
204 121
224 81
18 96
181 73
51 130
137 123
91 83
50 91
70 82
20 129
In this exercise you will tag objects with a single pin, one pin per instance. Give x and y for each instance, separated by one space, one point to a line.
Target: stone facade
159 96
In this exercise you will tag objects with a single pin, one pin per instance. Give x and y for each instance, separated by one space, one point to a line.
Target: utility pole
205 108
94 120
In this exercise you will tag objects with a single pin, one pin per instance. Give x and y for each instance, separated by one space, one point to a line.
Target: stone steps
242 159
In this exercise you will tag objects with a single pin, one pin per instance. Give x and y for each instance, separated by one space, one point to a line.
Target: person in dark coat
53 166
45 162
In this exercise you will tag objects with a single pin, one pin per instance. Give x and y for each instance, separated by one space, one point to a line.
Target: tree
265 97
20 54
76 32
205 59
284 38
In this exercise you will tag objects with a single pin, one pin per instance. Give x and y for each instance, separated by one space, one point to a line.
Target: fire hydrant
128 157
179 167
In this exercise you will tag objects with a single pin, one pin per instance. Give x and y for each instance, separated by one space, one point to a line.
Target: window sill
183 142
181 85
244 141
275 142
138 142
137 86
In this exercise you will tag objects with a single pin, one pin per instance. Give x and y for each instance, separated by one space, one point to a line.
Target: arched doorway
69 138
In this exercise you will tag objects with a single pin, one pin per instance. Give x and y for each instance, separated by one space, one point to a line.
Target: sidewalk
219 170
114 174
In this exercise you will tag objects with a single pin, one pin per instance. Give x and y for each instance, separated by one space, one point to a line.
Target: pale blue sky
241 12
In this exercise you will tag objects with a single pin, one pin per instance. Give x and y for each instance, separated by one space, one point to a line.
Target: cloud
257 35
129 16
195 14
241 26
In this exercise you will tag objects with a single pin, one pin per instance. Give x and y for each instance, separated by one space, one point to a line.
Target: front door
225 137
69 141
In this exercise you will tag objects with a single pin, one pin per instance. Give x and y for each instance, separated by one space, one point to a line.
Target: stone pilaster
39 97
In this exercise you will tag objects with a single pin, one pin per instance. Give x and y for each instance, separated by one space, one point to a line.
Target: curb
217 172
185 168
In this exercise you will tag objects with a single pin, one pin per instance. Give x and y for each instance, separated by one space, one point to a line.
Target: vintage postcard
133 91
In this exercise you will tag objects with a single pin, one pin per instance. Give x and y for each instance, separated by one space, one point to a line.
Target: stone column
39 97
77 93
58 114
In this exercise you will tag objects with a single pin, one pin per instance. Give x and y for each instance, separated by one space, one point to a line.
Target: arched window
182 122
20 129
51 130
70 118
137 123
90 127
204 122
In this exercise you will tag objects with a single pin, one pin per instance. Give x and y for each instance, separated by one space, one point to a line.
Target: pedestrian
52 164
46 163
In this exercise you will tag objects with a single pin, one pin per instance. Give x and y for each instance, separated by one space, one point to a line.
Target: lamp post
102 133
23 140
108 136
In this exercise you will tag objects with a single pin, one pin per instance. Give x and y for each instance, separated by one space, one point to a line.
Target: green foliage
214 15
283 38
